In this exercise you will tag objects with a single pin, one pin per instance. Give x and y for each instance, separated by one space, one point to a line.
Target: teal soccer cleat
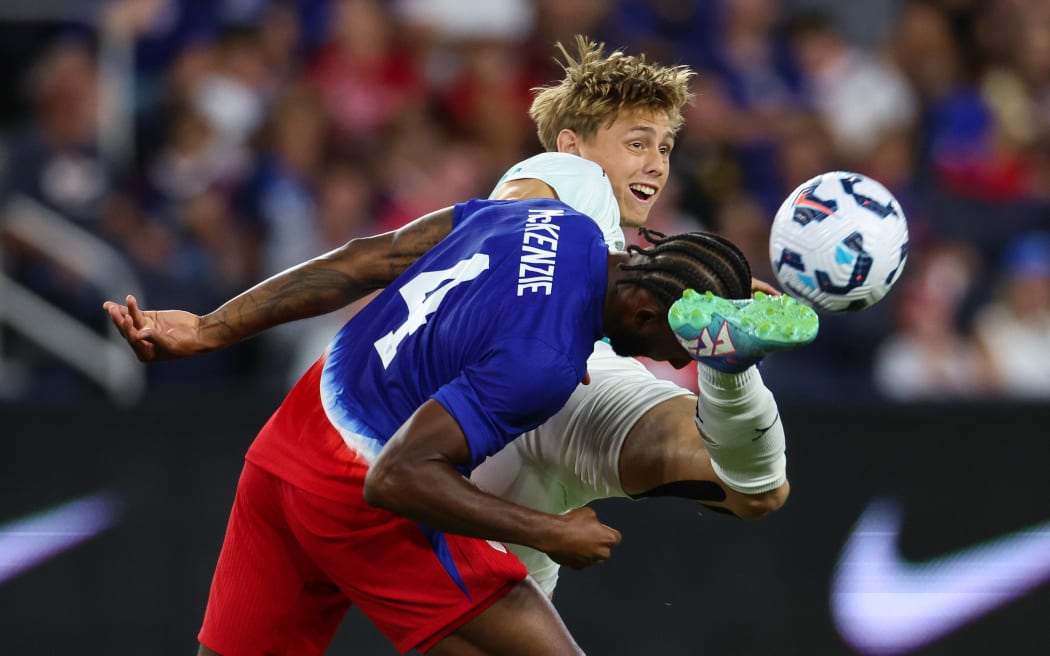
730 336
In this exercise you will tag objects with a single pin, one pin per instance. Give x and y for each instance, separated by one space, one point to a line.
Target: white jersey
580 183
574 458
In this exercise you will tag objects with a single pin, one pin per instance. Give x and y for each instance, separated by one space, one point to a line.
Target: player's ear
646 313
568 142
646 318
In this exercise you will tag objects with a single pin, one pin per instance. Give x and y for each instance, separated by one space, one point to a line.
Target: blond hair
597 88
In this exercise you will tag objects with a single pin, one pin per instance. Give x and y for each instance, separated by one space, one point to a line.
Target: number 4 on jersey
423 294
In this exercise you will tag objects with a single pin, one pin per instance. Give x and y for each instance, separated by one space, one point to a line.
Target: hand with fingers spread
156 335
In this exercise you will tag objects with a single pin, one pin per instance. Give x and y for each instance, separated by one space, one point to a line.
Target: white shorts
574 458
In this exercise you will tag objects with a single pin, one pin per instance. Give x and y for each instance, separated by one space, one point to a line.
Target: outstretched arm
318 286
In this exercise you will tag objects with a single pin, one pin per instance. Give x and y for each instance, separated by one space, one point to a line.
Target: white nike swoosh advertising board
916 531
30 541
884 604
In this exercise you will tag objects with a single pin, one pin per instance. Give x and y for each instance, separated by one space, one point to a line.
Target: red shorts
293 562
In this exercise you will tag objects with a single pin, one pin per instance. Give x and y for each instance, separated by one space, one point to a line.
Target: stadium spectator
368 77
859 96
930 356
54 160
1013 328
968 141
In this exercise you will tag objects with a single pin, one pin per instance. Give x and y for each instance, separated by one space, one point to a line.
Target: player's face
631 336
660 345
634 151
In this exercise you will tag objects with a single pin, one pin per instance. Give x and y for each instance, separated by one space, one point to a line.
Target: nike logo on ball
30 541
883 604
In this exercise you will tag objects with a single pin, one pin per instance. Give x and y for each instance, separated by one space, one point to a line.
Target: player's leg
521 623
267 596
664 455
629 433
737 416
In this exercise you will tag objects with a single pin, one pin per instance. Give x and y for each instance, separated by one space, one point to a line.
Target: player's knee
757 506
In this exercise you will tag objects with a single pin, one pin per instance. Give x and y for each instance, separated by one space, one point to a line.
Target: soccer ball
839 242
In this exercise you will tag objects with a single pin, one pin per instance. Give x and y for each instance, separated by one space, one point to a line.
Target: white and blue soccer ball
839 242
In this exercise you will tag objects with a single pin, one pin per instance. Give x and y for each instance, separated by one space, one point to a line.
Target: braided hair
701 261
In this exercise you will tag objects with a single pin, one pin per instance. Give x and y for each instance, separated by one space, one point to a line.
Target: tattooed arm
318 286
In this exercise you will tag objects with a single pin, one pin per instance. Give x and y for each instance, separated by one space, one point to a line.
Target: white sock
740 422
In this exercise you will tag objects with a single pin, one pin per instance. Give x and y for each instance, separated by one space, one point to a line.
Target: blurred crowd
214 143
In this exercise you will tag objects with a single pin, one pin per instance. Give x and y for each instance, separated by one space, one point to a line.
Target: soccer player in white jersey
627 433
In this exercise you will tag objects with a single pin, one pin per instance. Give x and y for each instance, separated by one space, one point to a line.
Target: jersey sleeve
581 184
518 386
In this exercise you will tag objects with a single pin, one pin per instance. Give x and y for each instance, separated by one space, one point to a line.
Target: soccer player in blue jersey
356 489
625 434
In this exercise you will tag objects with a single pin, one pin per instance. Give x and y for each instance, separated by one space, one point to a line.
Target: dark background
684 581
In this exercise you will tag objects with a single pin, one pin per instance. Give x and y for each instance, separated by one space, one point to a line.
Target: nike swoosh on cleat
30 541
883 604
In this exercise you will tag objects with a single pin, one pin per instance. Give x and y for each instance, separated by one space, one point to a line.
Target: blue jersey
495 323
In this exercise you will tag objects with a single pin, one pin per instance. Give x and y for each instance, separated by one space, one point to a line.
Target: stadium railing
104 359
